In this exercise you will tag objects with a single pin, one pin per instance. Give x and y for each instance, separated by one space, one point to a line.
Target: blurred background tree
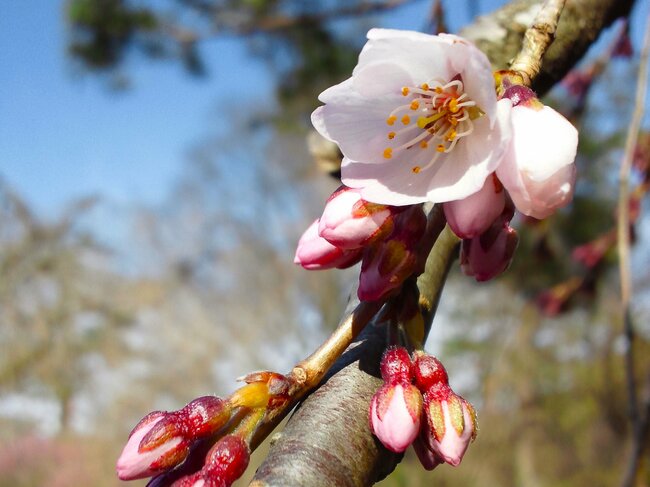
200 288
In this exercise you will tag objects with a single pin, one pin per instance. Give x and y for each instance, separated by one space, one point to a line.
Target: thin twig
308 373
538 37
623 232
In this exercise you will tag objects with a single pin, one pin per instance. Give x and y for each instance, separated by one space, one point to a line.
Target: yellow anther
388 153
416 169
415 105
453 105
405 91
391 135
424 144
451 135
424 86
406 119
452 121
391 120
438 90
440 148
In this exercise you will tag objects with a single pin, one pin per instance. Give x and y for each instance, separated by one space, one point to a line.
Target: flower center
436 117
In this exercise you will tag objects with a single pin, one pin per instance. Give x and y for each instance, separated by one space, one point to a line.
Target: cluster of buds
416 406
384 238
178 448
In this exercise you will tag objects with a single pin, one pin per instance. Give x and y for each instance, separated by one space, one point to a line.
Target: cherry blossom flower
418 120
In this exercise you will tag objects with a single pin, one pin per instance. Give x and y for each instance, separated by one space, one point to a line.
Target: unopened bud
389 262
489 254
428 371
137 463
473 215
451 423
395 415
162 440
428 458
316 253
396 366
349 222
224 463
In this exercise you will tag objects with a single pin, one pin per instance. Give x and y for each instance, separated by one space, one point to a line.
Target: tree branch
327 441
501 33
638 422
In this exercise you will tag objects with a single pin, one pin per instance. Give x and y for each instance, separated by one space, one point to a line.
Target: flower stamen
445 114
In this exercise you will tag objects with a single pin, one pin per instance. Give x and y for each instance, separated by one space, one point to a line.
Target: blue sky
65 135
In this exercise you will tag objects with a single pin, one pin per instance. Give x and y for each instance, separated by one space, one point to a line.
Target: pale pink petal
543 141
423 56
453 446
357 124
538 170
397 428
133 464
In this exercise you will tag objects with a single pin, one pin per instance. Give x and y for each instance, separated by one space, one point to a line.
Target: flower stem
537 38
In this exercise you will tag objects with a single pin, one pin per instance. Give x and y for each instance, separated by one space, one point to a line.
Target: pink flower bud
135 463
396 366
224 463
388 263
316 253
428 458
538 171
451 423
395 415
473 215
429 371
349 222
490 254
162 440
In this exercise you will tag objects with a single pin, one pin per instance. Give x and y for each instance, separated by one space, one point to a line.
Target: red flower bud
225 463
389 262
428 371
396 366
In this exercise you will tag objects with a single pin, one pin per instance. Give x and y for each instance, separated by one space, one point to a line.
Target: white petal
423 56
478 78
387 183
358 125
543 141
473 159
382 78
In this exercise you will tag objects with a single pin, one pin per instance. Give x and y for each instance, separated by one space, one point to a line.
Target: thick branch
327 441
501 33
